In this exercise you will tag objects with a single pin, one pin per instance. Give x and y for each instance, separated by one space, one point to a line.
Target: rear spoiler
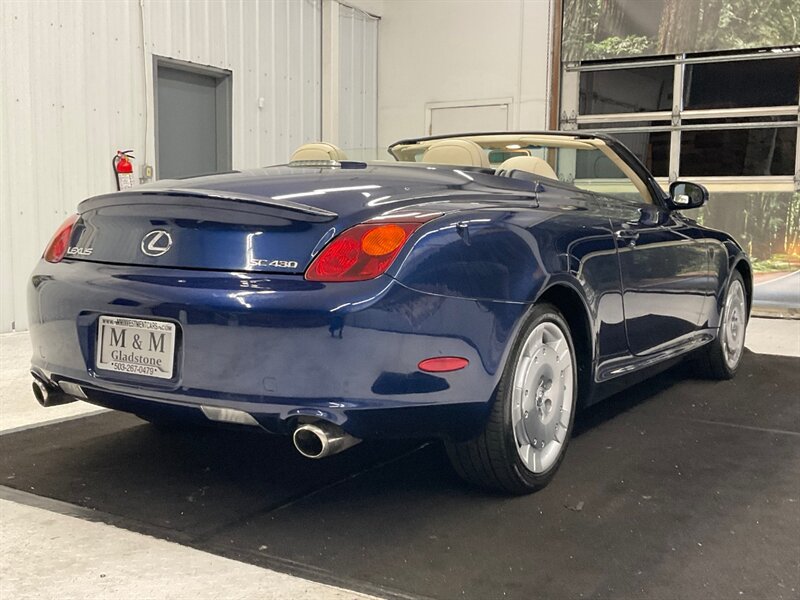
222 199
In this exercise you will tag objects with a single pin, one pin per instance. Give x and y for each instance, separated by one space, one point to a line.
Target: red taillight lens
361 252
57 247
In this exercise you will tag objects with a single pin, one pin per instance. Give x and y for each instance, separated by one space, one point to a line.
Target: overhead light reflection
321 191
370 299
242 297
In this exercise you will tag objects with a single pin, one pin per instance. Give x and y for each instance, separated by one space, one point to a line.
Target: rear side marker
442 364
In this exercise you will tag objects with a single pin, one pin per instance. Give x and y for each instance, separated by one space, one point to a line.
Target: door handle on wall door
627 235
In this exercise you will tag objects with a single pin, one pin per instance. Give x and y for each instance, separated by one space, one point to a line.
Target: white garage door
466 119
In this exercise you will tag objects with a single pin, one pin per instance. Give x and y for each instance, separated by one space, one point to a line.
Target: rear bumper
279 347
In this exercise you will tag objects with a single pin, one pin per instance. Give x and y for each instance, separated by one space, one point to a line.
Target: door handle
627 235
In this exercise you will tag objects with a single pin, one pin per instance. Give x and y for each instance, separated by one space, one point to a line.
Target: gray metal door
192 122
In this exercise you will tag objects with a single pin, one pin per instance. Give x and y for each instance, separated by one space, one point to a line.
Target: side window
594 171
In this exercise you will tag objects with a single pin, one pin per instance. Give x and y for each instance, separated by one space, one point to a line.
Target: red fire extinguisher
123 169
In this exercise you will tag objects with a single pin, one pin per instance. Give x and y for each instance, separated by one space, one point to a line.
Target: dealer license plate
136 346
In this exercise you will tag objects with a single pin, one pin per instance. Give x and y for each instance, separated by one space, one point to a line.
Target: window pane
768 227
650 148
731 152
765 119
592 170
739 84
626 90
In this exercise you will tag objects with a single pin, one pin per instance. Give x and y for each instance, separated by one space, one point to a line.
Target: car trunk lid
200 229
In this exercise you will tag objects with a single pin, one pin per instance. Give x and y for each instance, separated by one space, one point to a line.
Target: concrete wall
358 80
73 92
449 51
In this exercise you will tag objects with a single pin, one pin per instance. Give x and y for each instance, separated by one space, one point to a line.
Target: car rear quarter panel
726 256
515 254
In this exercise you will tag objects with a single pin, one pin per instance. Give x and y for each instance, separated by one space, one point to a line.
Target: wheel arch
743 267
572 305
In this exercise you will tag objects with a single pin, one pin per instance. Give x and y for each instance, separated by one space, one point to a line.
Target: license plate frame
134 346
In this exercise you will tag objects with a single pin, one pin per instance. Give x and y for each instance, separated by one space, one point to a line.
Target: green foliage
780 262
695 26
767 224
630 45
762 23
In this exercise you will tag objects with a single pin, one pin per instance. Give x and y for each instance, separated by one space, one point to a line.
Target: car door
664 272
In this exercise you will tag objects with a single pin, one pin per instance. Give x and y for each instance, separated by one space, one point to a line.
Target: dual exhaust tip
48 394
321 439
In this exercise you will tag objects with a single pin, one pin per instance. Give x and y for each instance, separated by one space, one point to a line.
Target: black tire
710 361
491 459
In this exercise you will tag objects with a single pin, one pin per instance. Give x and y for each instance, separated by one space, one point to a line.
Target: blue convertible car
479 288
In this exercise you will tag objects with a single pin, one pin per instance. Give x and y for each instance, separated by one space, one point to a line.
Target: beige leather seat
529 164
456 152
318 151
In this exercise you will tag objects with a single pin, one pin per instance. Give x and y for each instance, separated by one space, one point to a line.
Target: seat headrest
529 164
318 151
456 152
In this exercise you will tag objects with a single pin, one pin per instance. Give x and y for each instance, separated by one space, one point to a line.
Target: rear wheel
720 359
530 424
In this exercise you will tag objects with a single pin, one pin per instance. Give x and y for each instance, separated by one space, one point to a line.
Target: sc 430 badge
277 264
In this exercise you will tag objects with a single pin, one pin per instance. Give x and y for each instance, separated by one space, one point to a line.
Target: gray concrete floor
46 554
49 555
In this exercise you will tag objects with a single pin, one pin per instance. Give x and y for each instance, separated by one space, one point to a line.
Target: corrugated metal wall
358 82
73 92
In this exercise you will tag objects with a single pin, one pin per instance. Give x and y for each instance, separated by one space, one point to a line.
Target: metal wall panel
358 82
73 92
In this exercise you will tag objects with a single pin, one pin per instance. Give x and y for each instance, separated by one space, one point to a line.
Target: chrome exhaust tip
40 391
49 395
321 439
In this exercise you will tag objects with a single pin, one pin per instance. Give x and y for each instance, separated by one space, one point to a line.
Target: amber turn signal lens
383 240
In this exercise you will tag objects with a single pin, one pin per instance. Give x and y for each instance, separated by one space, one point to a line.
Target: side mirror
684 195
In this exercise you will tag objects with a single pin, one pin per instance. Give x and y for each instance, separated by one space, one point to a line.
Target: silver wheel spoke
559 433
564 418
521 372
526 454
520 433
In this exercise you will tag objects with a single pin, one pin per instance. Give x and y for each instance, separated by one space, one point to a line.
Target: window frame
679 119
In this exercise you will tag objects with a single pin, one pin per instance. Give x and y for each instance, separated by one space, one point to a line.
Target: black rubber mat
675 489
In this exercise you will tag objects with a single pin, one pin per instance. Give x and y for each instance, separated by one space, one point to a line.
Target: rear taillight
59 243
361 252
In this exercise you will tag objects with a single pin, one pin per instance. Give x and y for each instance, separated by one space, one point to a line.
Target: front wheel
526 436
720 359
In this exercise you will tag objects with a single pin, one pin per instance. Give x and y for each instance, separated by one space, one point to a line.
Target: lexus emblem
156 243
